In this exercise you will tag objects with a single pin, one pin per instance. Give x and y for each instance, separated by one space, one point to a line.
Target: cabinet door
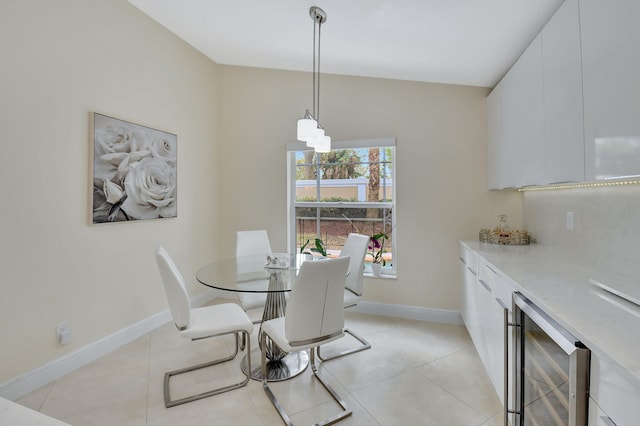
516 124
597 417
615 390
495 155
468 265
610 37
525 106
563 113
492 329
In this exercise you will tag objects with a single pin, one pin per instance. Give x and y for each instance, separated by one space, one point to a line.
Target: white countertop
560 285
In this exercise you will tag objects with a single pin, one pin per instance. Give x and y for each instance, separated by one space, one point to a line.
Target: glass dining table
249 274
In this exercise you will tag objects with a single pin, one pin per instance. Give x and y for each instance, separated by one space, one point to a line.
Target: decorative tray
502 234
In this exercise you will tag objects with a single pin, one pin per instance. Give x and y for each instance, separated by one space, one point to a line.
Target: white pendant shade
315 140
307 129
323 143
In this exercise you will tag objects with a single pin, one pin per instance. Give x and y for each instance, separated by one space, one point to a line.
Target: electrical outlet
570 221
63 333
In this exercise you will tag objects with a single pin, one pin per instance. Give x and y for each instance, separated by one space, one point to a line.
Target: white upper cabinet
526 114
539 136
496 158
569 109
563 111
515 114
610 33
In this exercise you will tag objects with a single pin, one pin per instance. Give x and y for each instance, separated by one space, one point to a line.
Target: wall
606 225
441 166
61 60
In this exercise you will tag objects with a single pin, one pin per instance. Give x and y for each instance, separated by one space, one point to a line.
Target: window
350 189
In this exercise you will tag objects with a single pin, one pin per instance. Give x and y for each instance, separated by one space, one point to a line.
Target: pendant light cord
315 117
318 95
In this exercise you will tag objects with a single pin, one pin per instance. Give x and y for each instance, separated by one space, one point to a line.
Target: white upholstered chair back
315 307
174 287
250 243
356 248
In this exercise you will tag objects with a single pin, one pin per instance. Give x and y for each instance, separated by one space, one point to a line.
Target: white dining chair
200 323
250 243
356 248
315 315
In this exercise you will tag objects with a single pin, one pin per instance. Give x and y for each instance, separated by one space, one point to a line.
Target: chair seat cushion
275 329
350 298
217 319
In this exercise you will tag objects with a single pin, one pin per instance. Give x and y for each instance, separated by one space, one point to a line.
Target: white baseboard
45 374
409 312
35 379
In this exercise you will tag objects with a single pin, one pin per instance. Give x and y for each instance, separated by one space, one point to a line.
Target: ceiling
468 42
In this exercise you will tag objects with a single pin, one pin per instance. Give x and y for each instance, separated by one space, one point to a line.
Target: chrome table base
289 366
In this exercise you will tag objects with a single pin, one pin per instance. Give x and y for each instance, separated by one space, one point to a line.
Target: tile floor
416 373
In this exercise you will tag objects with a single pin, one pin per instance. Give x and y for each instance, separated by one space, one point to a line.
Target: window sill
389 276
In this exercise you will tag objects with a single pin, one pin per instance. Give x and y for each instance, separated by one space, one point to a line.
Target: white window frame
292 148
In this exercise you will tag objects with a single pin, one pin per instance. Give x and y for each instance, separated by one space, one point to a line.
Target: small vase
376 268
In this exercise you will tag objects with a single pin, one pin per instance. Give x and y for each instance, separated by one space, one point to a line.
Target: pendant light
309 128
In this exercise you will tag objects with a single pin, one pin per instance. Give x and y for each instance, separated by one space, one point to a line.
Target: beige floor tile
497 420
410 399
463 375
366 368
227 409
416 373
313 415
97 385
415 345
128 413
35 399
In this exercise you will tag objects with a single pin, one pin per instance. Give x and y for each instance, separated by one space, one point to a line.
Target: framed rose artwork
134 171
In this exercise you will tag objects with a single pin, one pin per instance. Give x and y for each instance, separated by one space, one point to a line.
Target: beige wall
60 60
441 166
63 59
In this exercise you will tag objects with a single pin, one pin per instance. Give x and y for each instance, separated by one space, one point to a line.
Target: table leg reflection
281 365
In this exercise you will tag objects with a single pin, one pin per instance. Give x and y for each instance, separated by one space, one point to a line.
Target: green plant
319 248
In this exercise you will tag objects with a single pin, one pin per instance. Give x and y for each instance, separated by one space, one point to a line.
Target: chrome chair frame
363 347
246 337
346 412
356 248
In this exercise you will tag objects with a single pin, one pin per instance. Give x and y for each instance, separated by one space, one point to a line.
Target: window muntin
348 190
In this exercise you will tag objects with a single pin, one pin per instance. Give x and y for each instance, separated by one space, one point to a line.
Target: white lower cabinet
468 265
614 392
483 311
597 417
486 293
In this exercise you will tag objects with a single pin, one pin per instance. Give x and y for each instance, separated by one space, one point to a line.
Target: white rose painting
134 171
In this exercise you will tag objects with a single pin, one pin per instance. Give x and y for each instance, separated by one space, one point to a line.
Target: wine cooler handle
505 362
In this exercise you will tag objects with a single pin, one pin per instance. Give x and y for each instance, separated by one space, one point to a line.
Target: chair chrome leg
172 403
365 345
285 418
265 384
346 412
